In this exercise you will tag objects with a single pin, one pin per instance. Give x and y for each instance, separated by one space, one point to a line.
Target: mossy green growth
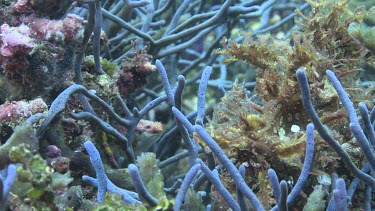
193 201
104 85
151 174
109 67
35 194
154 181
364 35
316 201
22 134
34 169
164 204
119 177
20 153
114 202
33 179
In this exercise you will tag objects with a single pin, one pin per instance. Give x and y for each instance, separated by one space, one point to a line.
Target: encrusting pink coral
15 40
68 30
149 126
11 112
21 7
34 52
21 39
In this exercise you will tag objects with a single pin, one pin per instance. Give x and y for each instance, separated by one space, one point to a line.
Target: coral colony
187 105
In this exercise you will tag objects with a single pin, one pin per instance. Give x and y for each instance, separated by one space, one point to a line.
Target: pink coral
149 126
21 7
11 112
33 52
73 27
15 40
70 29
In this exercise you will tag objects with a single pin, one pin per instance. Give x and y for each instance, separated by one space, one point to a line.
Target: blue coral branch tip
102 182
140 187
340 195
9 180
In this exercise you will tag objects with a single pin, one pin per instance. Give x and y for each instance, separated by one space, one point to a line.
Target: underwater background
187 105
